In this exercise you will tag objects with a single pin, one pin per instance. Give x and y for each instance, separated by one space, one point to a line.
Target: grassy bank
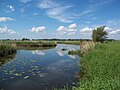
69 42
34 44
85 46
101 68
6 50
29 43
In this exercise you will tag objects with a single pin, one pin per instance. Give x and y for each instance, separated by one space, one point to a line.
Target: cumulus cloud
72 27
107 28
62 28
114 32
25 1
70 30
11 8
86 30
56 10
6 30
3 19
38 29
89 29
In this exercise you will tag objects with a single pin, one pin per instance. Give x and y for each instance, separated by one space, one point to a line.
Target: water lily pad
33 61
11 77
26 77
42 75
17 74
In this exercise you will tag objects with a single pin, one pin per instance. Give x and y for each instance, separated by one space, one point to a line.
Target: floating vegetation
42 75
63 49
33 60
76 52
11 77
26 77
17 74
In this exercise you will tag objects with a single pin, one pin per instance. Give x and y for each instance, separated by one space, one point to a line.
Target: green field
101 68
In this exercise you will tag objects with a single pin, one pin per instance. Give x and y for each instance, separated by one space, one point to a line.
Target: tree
99 34
23 39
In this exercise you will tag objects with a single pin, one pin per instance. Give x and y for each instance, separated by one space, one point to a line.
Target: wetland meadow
59 44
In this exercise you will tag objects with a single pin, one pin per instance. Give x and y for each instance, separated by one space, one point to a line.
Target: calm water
39 69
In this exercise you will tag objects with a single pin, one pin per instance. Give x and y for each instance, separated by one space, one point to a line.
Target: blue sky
58 18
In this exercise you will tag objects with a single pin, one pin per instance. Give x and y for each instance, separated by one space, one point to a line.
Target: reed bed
85 46
69 42
29 43
6 50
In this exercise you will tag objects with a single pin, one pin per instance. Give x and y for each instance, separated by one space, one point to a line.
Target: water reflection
38 52
40 69
7 58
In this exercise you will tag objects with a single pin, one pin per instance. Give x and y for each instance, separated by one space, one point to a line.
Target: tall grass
101 67
6 50
85 46
69 42
29 43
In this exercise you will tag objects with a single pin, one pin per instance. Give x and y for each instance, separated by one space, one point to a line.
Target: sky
63 19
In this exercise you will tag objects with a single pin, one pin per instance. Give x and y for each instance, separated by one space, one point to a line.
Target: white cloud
6 30
107 29
46 4
70 30
93 5
71 33
38 29
25 1
56 11
11 8
72 27
62 28
3 19
86 30
89 30
114 32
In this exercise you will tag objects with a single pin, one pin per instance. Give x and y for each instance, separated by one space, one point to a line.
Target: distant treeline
23 39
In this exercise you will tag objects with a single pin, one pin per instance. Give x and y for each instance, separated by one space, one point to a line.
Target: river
39 69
